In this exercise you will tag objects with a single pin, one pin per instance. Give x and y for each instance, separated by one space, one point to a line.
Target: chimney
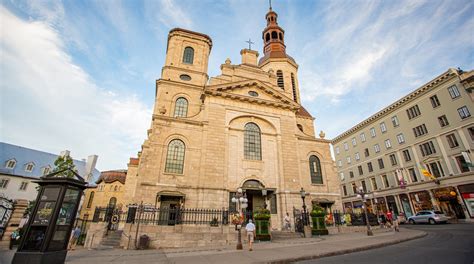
90 166
249 57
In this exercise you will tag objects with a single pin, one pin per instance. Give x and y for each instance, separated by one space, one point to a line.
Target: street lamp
363 196
303 195
240 200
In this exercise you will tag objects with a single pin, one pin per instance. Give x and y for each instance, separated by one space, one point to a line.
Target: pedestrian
389 218
395 222
383 220
14 238
287 222
74 237
250 228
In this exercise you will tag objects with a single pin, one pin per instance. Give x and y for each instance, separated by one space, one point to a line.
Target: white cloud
48 102
172 15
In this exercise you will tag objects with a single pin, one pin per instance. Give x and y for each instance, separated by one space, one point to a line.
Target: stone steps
283 235
112 240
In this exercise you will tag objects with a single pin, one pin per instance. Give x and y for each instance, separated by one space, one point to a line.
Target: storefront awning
322 201
176 194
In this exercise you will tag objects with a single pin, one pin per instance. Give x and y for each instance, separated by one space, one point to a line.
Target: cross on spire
250 43
270 2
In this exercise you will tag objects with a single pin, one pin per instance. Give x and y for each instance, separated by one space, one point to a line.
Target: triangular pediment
245 91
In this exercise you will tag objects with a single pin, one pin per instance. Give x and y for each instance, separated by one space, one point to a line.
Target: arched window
181 107
252 142
315 170
274 35
293 84
175 157
280 82
300 127
188 56
112 202
91 198
267 37
281 36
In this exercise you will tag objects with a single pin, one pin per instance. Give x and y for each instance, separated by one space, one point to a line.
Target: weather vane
250 43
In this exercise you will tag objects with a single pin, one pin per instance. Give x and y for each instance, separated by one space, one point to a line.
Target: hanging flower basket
236 219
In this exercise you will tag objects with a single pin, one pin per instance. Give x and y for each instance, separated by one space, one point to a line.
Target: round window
185 77
253 93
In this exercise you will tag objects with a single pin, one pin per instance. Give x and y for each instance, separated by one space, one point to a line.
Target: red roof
303 112
113 175
133 161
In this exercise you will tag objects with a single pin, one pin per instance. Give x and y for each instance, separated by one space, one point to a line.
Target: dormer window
188 56
29 167
46 170
10 164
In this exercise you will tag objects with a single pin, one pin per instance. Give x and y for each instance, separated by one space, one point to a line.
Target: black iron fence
162 216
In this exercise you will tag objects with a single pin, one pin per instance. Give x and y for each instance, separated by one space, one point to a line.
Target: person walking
74 237
250 228
395 222
389 218
287 222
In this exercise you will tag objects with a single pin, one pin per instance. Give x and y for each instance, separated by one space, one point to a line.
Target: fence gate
298 218
6 209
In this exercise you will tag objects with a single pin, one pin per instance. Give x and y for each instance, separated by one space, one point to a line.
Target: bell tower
273 36
276 59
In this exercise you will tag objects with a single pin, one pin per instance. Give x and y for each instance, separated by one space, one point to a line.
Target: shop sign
467 195
445 193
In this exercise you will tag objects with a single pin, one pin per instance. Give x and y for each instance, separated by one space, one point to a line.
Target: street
449 243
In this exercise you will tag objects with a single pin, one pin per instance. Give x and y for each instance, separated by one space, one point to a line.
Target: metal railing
163 216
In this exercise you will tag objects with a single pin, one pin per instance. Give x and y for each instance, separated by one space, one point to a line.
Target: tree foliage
62 163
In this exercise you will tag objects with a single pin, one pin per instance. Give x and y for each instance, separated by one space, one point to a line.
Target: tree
63 163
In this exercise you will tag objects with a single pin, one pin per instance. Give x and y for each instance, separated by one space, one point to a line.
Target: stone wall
95 234
180 235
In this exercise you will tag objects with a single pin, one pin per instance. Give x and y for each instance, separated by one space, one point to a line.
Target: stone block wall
19 208
180 235
95 234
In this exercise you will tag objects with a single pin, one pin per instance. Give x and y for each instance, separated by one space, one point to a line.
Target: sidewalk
266 252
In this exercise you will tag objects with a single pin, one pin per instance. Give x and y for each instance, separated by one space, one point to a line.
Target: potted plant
318 216
262 223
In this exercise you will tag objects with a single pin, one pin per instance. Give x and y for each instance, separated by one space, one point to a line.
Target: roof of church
133 161
275 54
112 176
303 112
39 159
191 32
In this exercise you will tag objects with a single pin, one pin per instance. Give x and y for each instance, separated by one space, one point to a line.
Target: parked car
431 217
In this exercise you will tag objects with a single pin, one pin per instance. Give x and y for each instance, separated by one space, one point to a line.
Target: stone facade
264 93
109 191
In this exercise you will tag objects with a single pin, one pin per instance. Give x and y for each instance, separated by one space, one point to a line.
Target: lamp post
363 196
240 200
303 195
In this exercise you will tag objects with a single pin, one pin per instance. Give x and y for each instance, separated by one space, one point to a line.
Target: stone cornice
178 119
319 140
192 86
401 102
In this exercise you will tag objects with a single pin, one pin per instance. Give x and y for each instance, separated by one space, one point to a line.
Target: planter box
319 226
263 230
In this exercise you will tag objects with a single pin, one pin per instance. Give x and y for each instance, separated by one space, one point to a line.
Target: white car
431 217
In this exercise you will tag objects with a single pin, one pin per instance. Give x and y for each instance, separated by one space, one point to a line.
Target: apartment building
414 154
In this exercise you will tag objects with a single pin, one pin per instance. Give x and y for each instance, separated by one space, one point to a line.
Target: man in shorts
250 228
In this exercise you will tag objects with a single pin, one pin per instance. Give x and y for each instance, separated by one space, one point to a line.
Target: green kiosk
49 228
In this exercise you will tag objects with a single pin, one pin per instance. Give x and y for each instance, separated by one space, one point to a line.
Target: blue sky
80 75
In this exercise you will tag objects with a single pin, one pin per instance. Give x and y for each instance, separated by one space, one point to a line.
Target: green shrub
262 214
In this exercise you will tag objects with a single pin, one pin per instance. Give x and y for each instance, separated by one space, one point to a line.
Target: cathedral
245 128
